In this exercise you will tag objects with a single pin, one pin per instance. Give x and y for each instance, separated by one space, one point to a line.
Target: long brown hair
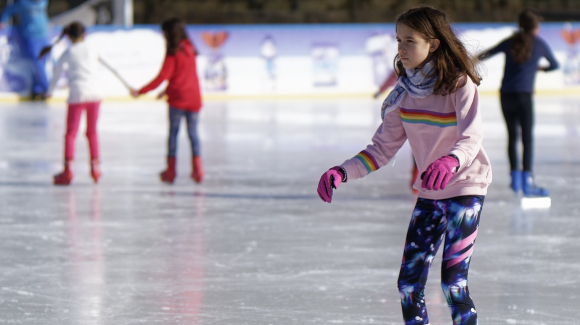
450 59
523 40
174 32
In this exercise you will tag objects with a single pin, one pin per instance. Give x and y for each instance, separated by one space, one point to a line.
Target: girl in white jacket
83 64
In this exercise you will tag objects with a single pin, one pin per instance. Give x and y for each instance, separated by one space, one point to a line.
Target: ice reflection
85 272
184 267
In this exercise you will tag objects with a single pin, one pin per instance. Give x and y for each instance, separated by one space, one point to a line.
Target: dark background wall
339 11
329 11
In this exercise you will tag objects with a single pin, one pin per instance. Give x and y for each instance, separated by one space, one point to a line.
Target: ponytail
73 30
523 40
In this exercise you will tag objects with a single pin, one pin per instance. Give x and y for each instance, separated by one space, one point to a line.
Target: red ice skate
197 169
95 170
168 175
66 176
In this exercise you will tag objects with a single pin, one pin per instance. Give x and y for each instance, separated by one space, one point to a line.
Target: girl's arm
388 139
549 56
469 125
57 72
165 73
501 47
390 81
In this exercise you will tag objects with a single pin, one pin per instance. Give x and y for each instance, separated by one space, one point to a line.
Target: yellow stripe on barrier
9 98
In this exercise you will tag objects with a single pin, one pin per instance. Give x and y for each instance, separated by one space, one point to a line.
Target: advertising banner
285 60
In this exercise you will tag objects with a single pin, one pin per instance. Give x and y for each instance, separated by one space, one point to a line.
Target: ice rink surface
254 245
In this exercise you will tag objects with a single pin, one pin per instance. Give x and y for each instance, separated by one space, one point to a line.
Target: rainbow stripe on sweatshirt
419 116
367 160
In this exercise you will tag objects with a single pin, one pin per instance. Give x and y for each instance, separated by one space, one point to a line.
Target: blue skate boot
516 184
529 187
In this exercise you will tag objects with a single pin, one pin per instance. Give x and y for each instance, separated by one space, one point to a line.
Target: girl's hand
439 173
161 95
134 92
329 180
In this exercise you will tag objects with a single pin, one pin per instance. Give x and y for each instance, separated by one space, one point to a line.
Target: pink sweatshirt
435 126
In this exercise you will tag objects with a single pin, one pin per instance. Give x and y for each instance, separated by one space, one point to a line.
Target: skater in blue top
523 51
33 30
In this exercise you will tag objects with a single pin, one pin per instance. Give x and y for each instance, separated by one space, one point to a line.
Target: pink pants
72 126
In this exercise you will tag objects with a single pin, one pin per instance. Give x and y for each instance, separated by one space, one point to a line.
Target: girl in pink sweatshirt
434 106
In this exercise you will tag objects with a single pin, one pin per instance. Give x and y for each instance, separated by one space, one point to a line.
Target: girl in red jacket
183 94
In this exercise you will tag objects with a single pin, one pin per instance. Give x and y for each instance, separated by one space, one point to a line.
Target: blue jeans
175 115
456 220
31 48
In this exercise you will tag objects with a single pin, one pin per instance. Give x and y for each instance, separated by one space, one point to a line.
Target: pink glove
329 180
439 173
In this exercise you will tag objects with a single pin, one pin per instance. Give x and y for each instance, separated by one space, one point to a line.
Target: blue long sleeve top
521 77
33 17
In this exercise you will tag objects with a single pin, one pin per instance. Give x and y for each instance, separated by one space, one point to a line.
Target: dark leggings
518 112
455 220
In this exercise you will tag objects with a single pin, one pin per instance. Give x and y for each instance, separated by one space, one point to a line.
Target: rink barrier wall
283 61
15 98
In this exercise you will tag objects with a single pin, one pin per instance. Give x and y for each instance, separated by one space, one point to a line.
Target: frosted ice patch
511 321
536 202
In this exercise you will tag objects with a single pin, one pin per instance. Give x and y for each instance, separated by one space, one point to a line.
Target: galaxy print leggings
457 220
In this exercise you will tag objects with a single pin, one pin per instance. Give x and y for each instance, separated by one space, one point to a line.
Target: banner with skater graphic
285 60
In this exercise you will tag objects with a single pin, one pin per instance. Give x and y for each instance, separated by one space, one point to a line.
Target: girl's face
414 49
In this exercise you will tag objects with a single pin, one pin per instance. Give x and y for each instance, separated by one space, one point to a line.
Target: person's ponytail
523 40
73 30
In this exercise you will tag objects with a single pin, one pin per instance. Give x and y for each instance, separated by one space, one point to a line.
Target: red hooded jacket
183 87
